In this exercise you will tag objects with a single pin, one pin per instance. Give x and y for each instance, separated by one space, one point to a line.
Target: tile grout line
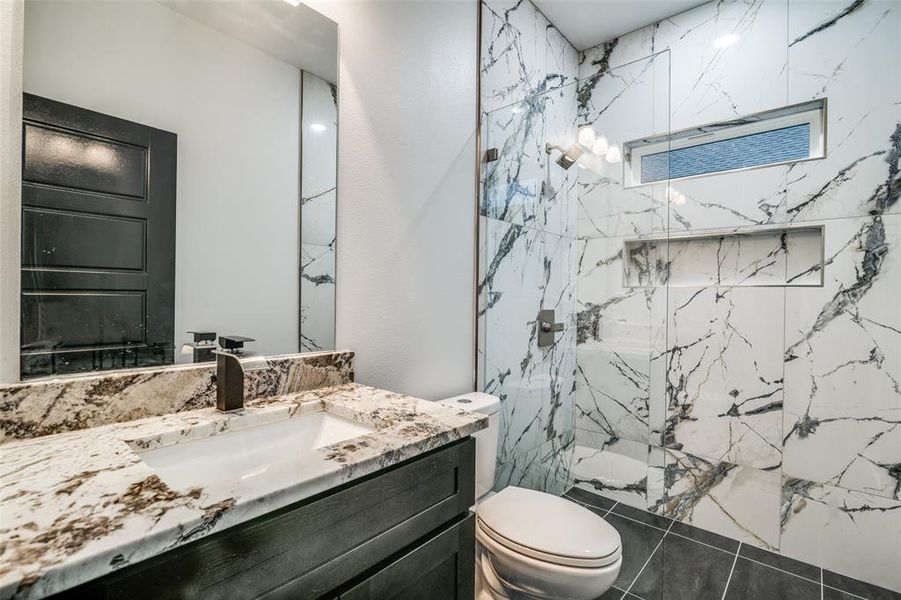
644 566
845 592
778 569
685 537
732 570
609 511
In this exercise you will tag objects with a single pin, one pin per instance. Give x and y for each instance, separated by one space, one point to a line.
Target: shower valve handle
547 328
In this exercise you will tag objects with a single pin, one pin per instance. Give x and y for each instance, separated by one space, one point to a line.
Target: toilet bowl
538 545
531 544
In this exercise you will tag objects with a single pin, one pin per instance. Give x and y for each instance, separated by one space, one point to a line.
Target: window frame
812 113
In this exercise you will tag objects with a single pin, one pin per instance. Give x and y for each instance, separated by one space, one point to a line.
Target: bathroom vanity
344 491
403 532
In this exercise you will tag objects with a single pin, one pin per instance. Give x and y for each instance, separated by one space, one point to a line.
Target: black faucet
230 373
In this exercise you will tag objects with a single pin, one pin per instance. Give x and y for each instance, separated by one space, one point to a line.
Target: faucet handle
233 343
203 336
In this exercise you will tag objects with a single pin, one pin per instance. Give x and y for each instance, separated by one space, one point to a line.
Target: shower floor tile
669 560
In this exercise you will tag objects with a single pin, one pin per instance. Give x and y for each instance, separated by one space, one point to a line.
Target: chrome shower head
568 156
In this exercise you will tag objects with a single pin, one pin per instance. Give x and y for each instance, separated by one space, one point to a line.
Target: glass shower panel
509 288
527 264
559 231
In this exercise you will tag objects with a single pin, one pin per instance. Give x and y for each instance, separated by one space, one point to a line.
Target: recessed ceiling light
724 41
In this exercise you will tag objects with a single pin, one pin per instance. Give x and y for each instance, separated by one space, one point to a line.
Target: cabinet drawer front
442 568
310 548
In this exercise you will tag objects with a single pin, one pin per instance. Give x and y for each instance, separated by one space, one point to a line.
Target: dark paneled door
98 241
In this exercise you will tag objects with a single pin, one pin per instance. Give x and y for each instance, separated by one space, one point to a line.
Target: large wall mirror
179 181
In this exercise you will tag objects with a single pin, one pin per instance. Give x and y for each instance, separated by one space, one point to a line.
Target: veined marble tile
621 105
522 53
844 531
513 369
559 192
617 328
513 52
52 406
635 45
736 199
512 185
724 380
614 467
849 53
843 362
317 297
558 362
561 58
713 80
522 469
735 501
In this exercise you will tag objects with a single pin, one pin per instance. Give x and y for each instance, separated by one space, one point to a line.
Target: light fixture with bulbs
600 146
613 155
587 137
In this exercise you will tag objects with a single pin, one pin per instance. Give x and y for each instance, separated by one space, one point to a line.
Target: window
774 137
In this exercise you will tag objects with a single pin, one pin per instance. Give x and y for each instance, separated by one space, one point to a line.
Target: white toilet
532 544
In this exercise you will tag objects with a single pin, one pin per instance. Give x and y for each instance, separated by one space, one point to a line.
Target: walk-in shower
725 257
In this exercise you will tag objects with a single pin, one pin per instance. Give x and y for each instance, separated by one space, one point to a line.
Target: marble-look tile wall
527 233
51 406
769 414
319 185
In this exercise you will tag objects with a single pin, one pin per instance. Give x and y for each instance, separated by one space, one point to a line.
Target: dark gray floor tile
705 537
859 588
617 594
641 515
639 542
754 581
590 498
611 594
831 594
682 568
780 562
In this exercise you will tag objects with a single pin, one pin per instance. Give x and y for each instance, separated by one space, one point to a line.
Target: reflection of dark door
98 241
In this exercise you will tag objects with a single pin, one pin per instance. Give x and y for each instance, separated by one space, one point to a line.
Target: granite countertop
78 505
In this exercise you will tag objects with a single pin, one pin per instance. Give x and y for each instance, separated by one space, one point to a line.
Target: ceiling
587 23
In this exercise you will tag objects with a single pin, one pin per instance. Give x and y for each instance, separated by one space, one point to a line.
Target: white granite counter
78 505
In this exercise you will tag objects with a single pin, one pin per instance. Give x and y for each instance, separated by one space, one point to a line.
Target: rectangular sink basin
254 458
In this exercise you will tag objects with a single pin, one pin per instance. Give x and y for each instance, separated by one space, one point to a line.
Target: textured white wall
11 26
406 192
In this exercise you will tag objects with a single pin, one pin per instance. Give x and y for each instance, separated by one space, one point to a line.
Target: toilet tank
486 439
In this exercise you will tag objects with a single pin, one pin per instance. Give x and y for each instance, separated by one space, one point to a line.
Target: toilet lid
549 528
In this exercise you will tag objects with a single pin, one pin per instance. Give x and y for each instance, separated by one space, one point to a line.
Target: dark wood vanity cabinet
403 532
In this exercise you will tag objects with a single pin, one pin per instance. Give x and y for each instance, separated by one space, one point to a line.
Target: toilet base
490 585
